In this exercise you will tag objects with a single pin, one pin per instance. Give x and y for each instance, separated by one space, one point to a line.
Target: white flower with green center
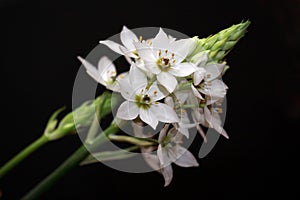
127 38
142 100
165 59
105 73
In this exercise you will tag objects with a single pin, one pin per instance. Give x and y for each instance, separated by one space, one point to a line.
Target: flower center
165 60
143 101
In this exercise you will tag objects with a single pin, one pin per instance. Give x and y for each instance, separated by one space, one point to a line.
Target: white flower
142 101
209 116
165 59
187 97
170 151
105 74
127 38
206 80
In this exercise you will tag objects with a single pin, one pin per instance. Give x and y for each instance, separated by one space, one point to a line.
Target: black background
39 44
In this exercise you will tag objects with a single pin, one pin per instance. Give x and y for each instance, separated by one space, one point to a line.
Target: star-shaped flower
105 73
170 151
127 38
165 59
142 100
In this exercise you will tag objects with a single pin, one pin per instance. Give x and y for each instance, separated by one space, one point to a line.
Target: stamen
159 53
173 55
113 73
219 110
166 51
141 38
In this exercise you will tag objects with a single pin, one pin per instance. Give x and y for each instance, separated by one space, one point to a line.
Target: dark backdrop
39 44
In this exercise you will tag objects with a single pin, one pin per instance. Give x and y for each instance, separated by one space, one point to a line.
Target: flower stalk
66 127
73 161
22 155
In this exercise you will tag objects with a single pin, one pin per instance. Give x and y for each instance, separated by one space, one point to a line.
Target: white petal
175 138
163 133
167 172
155 93
112 45
164 113
140 64
217 89
128 53
187 159
201 132
148 117
198 115
127 38
163 155
169 101
182 96
196 92
184 131
214 122
126 89
181 48
107 69
137 77
92 71
161 41
152 67
128 111
152 161
145 52
167 80
171 39
199 75
214 70
183 69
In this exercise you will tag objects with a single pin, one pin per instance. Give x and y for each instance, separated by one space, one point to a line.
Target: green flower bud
221 43
83 116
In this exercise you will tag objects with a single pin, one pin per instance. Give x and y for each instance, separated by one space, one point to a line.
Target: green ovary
143 101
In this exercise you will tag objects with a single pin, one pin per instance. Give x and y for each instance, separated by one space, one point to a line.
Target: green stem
132 140
73 161
22 155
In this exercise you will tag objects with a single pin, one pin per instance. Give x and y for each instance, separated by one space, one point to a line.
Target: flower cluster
166 78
